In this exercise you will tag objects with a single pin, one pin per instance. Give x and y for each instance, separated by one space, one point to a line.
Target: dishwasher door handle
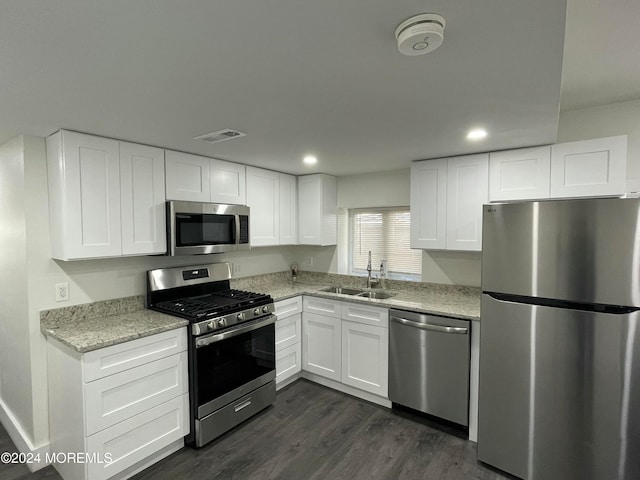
430 326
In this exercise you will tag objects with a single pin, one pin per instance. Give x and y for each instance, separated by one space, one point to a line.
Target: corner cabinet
446 202
317 210
106 198
129 401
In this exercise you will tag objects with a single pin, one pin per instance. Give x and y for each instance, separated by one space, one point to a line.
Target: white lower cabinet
365 357
124 417
348 343
288 339
322 352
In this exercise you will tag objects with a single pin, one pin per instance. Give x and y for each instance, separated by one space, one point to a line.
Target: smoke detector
420 34
220 135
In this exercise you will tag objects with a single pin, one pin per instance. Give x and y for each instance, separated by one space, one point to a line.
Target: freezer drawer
429 364
559 392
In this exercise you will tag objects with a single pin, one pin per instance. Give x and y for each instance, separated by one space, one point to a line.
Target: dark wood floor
312 432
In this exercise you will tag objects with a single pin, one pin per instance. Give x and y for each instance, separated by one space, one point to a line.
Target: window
384 232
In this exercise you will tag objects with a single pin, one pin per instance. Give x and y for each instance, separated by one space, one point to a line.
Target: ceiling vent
220 135
420 34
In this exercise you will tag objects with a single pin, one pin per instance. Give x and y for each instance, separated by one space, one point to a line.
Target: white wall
15 349
614 119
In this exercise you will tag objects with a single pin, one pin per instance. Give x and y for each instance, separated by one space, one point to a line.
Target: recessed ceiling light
476 134
310 160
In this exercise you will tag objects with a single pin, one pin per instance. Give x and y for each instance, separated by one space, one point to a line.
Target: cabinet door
522 174
589 168
288 362
288 209
91 183
321 347
288 332
428 204
228 182
188 177
365 357
263 199
467 191
142 199
309 210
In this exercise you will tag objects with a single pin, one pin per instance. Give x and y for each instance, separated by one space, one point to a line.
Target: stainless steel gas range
231 347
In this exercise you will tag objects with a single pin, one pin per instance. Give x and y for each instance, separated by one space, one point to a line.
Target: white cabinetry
228 182
589 168
322 337
129 401
142 197
446 202
188 177
521 174
194 178
365 348
106 198
429 204
317 210
288 340
467 191
263 198
288 209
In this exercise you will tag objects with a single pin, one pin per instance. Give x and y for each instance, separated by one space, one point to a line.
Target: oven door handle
247 327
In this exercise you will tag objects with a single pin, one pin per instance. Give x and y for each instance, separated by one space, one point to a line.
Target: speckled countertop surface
432 298
101 324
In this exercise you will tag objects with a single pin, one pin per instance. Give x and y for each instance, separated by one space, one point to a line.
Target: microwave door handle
236 231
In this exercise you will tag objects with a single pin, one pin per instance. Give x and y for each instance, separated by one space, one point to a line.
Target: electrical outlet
62 292
309 261
236 269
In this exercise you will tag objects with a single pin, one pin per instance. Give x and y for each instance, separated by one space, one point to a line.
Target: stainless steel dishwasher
429 364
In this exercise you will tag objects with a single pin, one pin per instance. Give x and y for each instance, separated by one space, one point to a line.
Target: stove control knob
211 325
239 316
265 309
256 311
221 322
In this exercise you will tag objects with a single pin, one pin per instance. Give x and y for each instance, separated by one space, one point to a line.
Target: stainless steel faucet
377 280
369 271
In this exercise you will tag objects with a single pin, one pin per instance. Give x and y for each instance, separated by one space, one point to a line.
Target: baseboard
21 439
349 390
152 459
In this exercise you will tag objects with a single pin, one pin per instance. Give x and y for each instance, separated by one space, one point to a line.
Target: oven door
231 363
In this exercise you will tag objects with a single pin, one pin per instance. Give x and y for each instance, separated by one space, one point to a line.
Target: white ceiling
303 76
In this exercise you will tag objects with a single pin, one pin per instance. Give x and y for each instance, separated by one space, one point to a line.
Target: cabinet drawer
288 307
321 306
135 439
117 358
288 332
365 314
288 362
115 398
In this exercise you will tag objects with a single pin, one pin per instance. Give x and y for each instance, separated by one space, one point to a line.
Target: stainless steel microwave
195 228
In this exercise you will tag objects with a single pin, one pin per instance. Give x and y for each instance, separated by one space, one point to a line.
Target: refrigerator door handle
429 326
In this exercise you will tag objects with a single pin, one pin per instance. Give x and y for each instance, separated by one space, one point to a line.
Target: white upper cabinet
188 177
142 199
467 191
84 196
228 183
317 210
106 198
521 174
428 204
263 198
288 209
589 168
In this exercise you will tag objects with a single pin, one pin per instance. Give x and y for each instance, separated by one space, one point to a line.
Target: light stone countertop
101 324
97 325
437 299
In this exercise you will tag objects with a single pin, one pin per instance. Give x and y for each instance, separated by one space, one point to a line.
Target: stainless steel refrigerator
560 339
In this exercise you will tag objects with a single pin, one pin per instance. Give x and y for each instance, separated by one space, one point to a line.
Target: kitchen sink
376 295
342 290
